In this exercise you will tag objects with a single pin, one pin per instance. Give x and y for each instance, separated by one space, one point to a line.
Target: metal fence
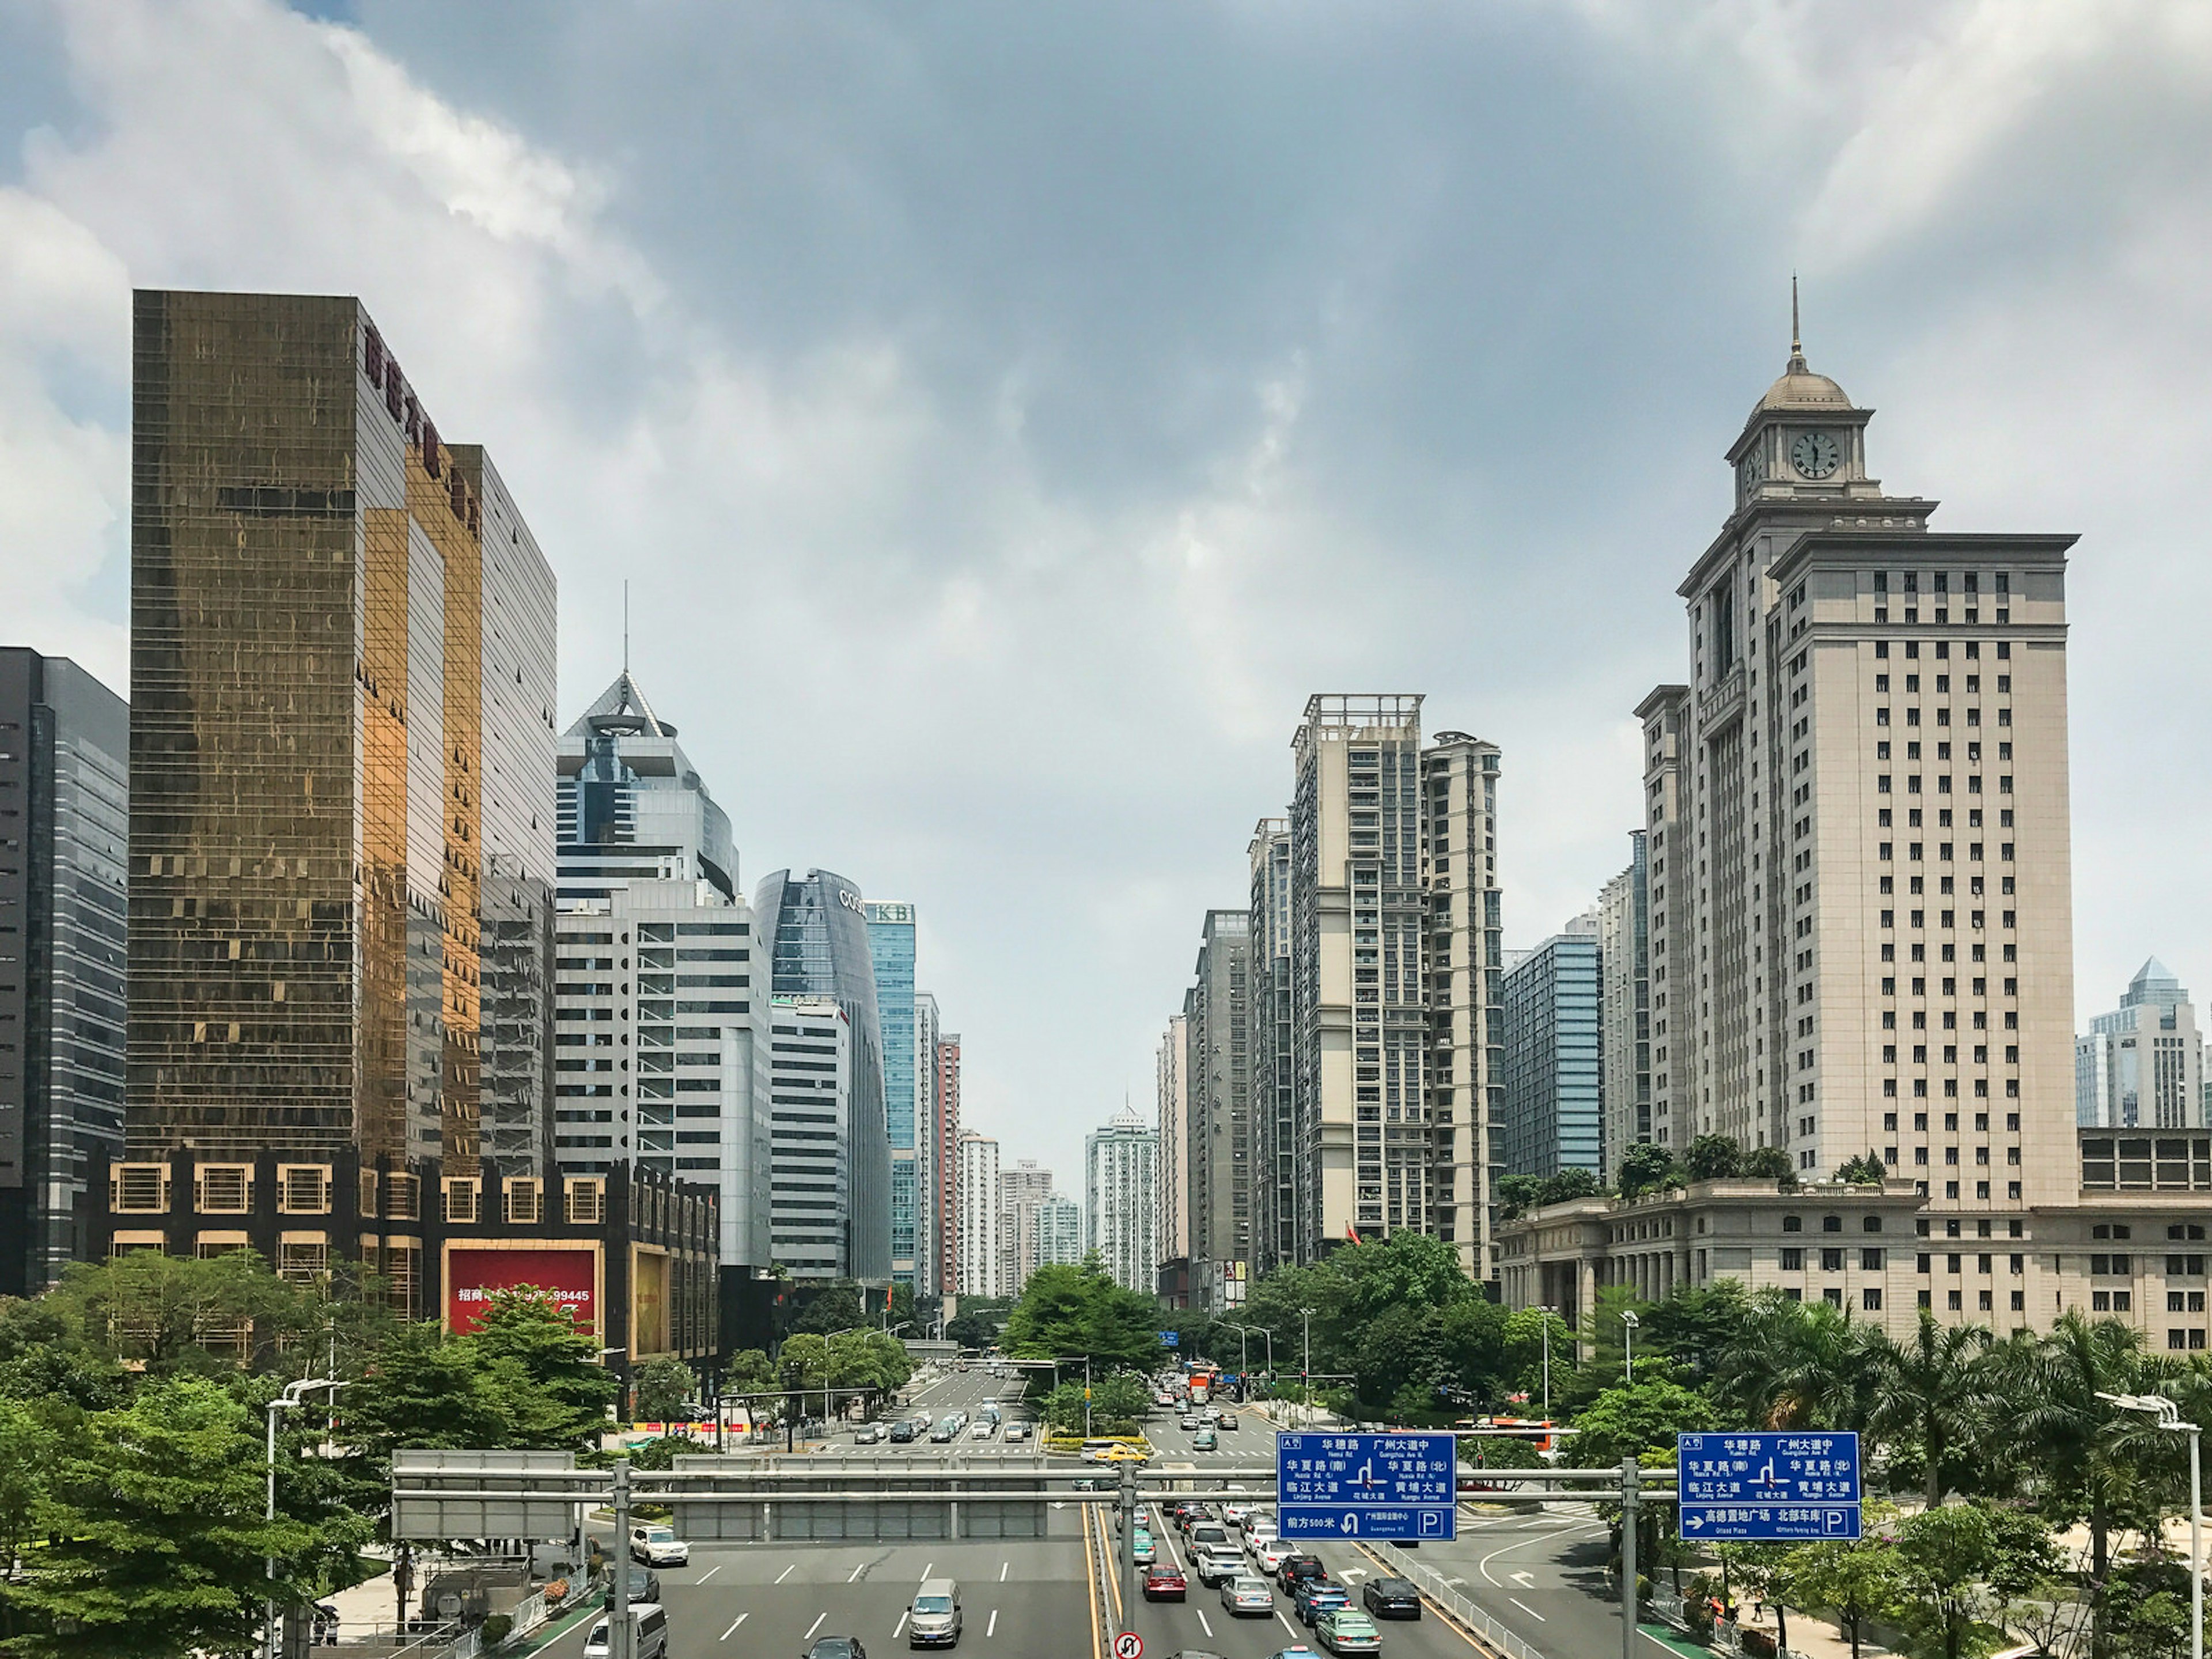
1433 1585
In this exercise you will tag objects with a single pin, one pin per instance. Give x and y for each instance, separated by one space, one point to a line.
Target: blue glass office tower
891 946
1553 1097
818 924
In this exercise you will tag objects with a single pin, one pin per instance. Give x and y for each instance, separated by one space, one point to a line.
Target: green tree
1866 1170
158 1535
1770 1163
27 1448
1517 1194
663 1387
1638 1422
836 1306
1959 1564
1567 1186
1713 1157
1080 1311
566 1404
979 1321
1646 1167
1855 1579
1801 1364
1933 1393
432 1391
47 1359
179 1314
1695 1326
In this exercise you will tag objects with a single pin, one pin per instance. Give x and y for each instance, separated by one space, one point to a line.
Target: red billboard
569 1275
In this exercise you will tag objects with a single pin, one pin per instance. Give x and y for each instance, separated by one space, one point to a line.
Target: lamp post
827 1377
2169 1418
1549 1313
1305 1375
285 1402
1629 1323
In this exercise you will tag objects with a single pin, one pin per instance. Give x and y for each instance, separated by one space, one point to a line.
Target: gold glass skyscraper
342 755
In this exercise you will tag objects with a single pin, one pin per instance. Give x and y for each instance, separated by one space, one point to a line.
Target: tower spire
626 581
1796 344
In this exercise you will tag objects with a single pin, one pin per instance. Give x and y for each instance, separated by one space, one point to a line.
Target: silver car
1245 1595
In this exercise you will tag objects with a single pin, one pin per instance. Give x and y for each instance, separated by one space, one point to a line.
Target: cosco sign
851 901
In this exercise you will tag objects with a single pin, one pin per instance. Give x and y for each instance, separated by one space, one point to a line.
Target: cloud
1003 422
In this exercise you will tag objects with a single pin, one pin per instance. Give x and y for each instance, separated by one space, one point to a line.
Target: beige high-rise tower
1860 868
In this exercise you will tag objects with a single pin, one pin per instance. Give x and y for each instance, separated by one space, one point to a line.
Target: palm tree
2084 1444
1934 1390
1803 1364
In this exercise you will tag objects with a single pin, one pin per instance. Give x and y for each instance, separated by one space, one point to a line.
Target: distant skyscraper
1172 1085
819 927
2142 1067
981 1260
65 864
1459 778
949 1173
813 1050
1217 1159
632 807
1021 1190
1358 1012
1550 1081
341 757
1267 1041
662 1047
1060 1232
932 1176
1122 1199
1624 1011
891 949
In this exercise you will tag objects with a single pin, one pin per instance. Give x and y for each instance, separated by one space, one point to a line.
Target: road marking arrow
1526 1580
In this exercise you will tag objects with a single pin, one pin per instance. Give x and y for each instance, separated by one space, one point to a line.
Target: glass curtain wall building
64 841
1551 1064
816 927
343 683
632 806
891 949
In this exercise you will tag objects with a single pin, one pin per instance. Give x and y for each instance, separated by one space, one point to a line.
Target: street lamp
285 1402
2169 1418
1244 1354
1630 1324
1549 1313
1305 1377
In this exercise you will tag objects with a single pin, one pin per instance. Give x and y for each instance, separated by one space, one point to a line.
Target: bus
1204 1378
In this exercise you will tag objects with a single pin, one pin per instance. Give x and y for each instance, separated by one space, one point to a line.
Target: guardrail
1432 1584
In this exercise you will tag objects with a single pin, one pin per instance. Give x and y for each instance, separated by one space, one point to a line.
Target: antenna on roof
626 580
1796 344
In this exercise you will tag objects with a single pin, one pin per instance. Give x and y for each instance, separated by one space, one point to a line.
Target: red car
1163 1582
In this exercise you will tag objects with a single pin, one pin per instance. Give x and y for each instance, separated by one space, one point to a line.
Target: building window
1870 1299
303 1189
461 1200
222 1189
524 1201
1793 1259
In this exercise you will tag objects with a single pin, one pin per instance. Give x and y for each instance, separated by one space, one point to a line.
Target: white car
659 1547
981 1431
1271 1555
1235 1514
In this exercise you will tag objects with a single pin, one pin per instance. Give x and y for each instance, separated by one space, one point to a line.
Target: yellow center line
1091 1584
1451 1622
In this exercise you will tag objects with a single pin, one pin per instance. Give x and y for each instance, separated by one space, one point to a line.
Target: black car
836 1647
1390 1598
644 1586
1296 1567
903 1433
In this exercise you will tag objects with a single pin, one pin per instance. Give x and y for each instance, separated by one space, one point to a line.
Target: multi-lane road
1540 1572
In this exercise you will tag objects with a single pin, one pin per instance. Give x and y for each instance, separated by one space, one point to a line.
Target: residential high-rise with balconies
1217 1146
1268 1042
982 1263
65 859
1463 979
1121 1202
1022 1188
1359 1003
1860 868
1624 951
1171 1083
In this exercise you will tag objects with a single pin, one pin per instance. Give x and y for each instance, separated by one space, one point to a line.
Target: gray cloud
1006 417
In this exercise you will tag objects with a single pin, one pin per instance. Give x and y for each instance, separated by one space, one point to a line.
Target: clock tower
1805 442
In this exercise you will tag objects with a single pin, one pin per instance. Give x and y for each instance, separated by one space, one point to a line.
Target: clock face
1815 454
1747 472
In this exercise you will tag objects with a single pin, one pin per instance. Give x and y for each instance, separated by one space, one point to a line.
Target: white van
933 1620
648 1634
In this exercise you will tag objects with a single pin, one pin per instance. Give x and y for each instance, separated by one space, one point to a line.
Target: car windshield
659 1535
933 1604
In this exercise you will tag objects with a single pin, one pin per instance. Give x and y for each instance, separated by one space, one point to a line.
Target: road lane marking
991 1629
1284 1623
900 1625
1526 1608
1208 1629
711 1571
1526 1580
863 1567
1002 1565
925 1572
819 1617
787 1572
732 1630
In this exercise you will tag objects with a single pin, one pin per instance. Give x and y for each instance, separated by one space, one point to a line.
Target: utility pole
1629 1322
1305 1377
1629 1475
1129 1531
1546 1312
619 1645
285 1401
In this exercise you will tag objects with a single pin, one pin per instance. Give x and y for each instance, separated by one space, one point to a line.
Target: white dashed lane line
734 1623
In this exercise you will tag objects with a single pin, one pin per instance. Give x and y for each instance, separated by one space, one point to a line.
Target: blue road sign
1366 1485
1170 1339
1741 1521
1763 1485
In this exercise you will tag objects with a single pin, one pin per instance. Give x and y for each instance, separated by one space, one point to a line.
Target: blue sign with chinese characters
1366 1485
1170 1339
1762 1485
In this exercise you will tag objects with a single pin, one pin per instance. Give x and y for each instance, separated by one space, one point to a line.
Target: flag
1352 1233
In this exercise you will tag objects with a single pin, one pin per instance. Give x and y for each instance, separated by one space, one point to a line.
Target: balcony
1722 702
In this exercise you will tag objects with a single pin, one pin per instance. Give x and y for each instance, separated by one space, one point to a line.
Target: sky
1005 417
